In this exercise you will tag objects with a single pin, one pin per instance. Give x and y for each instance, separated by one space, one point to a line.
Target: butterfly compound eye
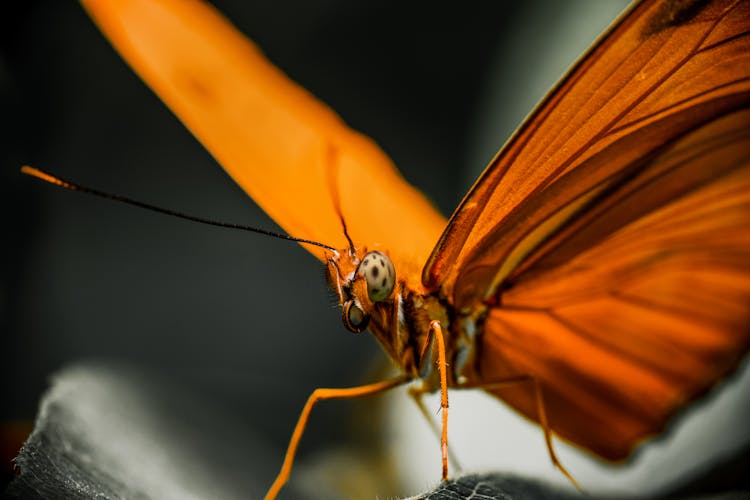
377 270
355 318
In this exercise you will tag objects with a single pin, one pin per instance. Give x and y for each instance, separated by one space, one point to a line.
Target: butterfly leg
417 394
436 332
321 394
541 414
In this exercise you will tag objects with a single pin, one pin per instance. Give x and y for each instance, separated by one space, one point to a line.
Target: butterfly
595 277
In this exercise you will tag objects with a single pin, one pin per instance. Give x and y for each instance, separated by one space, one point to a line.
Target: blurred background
245 321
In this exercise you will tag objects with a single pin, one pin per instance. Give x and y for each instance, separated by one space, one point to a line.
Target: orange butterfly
596 277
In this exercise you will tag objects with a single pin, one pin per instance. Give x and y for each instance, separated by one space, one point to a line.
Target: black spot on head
375 272
382 263
365 262
385 280
673 13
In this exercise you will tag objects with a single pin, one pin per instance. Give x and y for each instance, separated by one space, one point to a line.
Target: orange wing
623 333
289 152
611 238
667 68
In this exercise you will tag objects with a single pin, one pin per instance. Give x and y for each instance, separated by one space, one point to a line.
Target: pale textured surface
108 431
507 487
495 486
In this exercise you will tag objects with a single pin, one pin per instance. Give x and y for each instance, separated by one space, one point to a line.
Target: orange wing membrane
625 332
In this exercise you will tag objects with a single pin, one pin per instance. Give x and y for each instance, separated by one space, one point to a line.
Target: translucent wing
289 152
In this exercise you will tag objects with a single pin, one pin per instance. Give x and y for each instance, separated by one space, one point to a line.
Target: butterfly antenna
352 251
331 154
47 177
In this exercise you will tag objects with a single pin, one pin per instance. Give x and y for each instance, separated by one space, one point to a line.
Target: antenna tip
35 172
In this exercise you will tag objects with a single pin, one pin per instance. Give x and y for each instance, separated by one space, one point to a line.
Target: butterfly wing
657 76
292 154
623 333
610 239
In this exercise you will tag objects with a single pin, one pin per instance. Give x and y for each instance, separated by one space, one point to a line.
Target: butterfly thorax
398 313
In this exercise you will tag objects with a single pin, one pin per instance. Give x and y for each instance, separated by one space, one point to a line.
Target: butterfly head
360 283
